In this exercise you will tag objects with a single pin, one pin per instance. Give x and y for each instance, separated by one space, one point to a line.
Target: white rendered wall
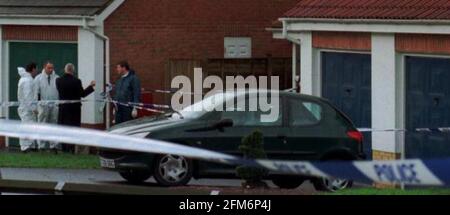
385 96
307 64
90 67
2 76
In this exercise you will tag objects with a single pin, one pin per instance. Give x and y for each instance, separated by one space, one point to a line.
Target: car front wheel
136 177
172 170
288 182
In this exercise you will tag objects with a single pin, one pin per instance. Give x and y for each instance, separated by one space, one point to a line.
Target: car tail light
355 135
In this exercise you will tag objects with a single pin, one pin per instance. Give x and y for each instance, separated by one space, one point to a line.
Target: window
304 113
238 47
245 117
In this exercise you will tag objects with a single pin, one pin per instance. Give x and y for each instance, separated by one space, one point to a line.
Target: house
385 63
160 39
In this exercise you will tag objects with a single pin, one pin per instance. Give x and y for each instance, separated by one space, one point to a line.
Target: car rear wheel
136 177
288 182
172 170
332 185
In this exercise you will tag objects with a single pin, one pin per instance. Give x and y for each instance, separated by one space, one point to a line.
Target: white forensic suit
46 91
27 108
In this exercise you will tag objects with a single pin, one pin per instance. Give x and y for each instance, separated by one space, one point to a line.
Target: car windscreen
208 104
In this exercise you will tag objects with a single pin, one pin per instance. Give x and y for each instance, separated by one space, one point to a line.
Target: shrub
253 148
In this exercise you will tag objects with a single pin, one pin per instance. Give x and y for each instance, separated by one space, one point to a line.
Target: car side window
304 113
245 117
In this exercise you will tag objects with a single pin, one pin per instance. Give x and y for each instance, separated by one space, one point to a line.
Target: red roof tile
371 9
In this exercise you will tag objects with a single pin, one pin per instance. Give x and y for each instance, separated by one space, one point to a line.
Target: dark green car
304 128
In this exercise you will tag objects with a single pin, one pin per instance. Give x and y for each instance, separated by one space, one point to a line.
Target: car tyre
136 177
331 185
173 170
288 182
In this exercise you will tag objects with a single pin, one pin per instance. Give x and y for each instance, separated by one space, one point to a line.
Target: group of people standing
48 86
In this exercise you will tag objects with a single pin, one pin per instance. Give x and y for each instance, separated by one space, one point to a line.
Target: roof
372 9
53 7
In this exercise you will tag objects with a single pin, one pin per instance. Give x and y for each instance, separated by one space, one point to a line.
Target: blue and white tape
407 172
156 108
40 103
416 130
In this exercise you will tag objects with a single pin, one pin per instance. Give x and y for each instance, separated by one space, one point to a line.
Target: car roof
240 92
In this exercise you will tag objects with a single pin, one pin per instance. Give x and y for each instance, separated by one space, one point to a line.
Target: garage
427 106
73 33
21 53
346 82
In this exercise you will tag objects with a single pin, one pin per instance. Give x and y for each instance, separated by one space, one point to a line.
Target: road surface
103 176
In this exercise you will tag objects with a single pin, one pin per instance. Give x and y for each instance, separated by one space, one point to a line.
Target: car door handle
283 138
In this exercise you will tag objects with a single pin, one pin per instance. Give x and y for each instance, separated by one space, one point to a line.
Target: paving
108 177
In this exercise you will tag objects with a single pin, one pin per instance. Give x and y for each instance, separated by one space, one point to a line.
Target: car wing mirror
224 123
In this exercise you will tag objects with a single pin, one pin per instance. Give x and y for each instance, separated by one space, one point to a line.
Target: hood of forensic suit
23 73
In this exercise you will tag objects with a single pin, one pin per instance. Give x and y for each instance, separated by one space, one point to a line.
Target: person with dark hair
45 84
26 95
70 88
127 89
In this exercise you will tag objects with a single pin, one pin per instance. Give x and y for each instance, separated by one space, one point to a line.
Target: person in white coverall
45 84
26 96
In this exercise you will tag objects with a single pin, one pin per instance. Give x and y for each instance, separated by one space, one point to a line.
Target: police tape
408 172
52 103
156 108
416 130
141 106
40 103
175 91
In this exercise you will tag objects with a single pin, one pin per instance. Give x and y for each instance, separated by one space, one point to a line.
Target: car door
245 122
307 138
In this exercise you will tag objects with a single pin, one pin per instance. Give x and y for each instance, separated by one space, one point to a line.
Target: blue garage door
347 84
427 106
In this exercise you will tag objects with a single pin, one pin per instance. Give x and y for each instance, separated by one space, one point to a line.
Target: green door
22 53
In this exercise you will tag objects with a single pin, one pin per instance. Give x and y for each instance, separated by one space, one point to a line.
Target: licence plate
107 163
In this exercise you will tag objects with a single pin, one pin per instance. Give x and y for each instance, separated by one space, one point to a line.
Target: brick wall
342 40
2 142
150 32
381 155
40 33
423 43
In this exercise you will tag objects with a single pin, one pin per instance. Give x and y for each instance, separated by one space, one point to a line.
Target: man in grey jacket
127 89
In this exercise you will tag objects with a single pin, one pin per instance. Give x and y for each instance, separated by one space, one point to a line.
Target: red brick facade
423 43
342 40
40 33
2 142
148 33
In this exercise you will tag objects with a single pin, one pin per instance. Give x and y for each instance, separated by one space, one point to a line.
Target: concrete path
103 176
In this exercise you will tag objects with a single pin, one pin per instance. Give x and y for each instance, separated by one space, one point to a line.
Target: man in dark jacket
127 89
70 88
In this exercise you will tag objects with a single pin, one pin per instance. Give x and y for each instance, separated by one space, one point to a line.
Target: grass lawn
48 160
410 191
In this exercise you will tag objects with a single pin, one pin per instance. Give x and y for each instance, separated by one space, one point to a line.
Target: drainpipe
107 66
295 42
